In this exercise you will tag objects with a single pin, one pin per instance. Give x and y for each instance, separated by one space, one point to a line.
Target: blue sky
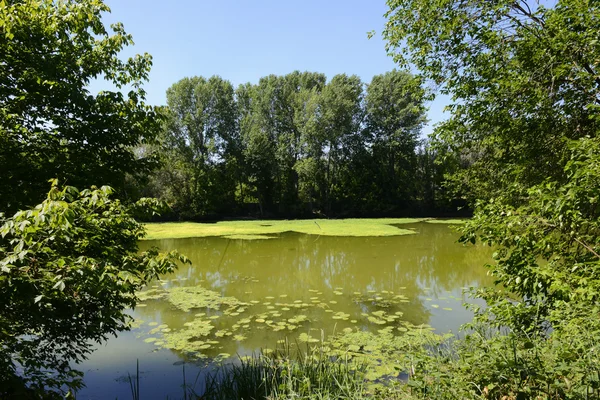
244 40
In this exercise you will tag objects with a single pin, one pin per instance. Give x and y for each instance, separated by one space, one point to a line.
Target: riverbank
263 229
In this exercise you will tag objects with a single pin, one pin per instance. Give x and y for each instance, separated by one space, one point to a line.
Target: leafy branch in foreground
51 124
548 248
524 82
538 336
523 77
69 270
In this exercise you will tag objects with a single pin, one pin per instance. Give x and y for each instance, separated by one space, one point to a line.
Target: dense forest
297 145
289 146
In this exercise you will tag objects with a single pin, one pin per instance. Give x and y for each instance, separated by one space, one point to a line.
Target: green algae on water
188 298
306 338
192 297
453 221
259 230
248 237
189 338
384 354
387 299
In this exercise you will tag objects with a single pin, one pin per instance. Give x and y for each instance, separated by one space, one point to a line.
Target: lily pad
188 298
341 315
188 338
306 338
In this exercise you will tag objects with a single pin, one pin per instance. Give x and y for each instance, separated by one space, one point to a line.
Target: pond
239 296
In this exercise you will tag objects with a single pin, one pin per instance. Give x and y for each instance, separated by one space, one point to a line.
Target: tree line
296 145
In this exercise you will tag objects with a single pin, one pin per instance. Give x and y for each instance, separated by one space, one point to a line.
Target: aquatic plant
387 355
188 298
190 339
453 221
286 373
262 230
380 299
134 382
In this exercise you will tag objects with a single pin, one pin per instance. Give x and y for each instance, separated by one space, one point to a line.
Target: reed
286 373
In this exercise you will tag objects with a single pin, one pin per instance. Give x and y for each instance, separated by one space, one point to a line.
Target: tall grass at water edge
283 373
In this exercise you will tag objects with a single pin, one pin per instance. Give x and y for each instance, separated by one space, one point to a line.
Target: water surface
322 284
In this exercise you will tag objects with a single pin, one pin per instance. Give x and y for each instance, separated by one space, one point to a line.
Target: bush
69 270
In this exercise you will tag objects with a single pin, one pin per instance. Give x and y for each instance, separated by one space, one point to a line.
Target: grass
282 373
262 229
287 374
134 382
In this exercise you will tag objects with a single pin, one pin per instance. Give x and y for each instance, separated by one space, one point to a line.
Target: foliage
548 259
523 80
395 114
202 147
548 247
69 270
504 366
294 145
352 365
524 121
51 126
280 117
287 373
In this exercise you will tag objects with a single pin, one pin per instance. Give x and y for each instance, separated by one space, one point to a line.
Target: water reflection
328 274
429 268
